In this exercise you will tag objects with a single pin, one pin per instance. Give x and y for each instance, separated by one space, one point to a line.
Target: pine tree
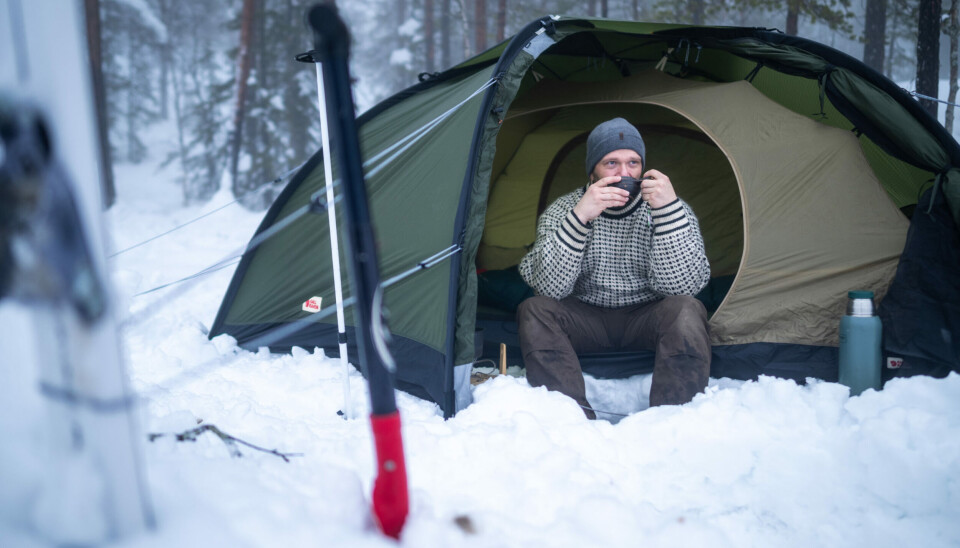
874 33
900 57
128 42
836 14
393 60
928 52
697 11
281 101
202 86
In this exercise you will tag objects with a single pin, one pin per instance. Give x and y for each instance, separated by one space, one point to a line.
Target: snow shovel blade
331 47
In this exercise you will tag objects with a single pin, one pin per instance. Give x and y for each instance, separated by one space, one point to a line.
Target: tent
798 160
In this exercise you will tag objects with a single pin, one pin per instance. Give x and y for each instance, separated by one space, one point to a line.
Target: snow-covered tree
128 43
281 128
201 78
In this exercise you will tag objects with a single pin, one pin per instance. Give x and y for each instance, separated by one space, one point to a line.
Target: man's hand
600 196
656 189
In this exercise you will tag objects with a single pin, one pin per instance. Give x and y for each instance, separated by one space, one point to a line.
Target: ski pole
312 57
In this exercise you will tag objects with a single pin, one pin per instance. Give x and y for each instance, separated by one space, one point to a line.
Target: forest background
224 74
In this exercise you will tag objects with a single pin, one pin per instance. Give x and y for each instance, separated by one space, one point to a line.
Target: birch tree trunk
954 32
465 30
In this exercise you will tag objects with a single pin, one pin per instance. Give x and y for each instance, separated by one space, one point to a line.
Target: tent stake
503 359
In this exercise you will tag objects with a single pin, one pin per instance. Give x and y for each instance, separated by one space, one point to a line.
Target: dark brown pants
553 332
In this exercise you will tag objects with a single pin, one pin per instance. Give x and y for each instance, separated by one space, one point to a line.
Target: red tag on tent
894 363
312 305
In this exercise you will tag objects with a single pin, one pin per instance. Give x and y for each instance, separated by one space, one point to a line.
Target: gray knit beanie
613 135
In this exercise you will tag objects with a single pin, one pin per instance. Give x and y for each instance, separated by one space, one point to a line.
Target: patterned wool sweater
621 258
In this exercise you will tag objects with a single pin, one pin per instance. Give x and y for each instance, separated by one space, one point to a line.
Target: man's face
623 162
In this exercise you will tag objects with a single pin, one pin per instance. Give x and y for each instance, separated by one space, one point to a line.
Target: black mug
630 184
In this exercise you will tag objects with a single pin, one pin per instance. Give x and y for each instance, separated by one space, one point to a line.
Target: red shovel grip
390 499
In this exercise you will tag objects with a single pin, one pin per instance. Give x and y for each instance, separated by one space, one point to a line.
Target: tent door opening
540 156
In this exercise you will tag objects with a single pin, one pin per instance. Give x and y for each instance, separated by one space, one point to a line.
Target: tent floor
742 362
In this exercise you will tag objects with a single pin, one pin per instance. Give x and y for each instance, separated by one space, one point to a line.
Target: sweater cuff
572 232
669 218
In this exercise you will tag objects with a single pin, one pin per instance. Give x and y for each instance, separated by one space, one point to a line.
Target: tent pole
334 245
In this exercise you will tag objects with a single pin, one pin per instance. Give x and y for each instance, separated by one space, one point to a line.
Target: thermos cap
860 303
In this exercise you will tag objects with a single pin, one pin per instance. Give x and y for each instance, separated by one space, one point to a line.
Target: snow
762 463
401 57
148 17
410 28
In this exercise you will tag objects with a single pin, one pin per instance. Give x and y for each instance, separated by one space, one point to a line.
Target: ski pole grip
330 34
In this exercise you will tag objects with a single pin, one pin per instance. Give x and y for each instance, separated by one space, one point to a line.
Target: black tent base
428 380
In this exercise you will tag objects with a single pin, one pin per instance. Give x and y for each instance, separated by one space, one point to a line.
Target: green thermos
860 358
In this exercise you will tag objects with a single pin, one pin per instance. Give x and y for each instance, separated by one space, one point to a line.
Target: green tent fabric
796 158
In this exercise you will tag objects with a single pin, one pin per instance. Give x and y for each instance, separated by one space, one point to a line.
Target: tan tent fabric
795 210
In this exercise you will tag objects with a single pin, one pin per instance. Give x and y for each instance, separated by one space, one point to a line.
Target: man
615 273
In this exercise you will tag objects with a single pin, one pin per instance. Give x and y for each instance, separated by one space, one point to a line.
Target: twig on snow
228 440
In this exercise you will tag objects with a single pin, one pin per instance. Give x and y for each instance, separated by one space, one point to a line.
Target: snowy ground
766 463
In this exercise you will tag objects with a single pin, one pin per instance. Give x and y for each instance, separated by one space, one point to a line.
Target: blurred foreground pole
92 490
331 48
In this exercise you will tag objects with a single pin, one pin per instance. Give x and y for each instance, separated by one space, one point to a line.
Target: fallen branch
228 440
